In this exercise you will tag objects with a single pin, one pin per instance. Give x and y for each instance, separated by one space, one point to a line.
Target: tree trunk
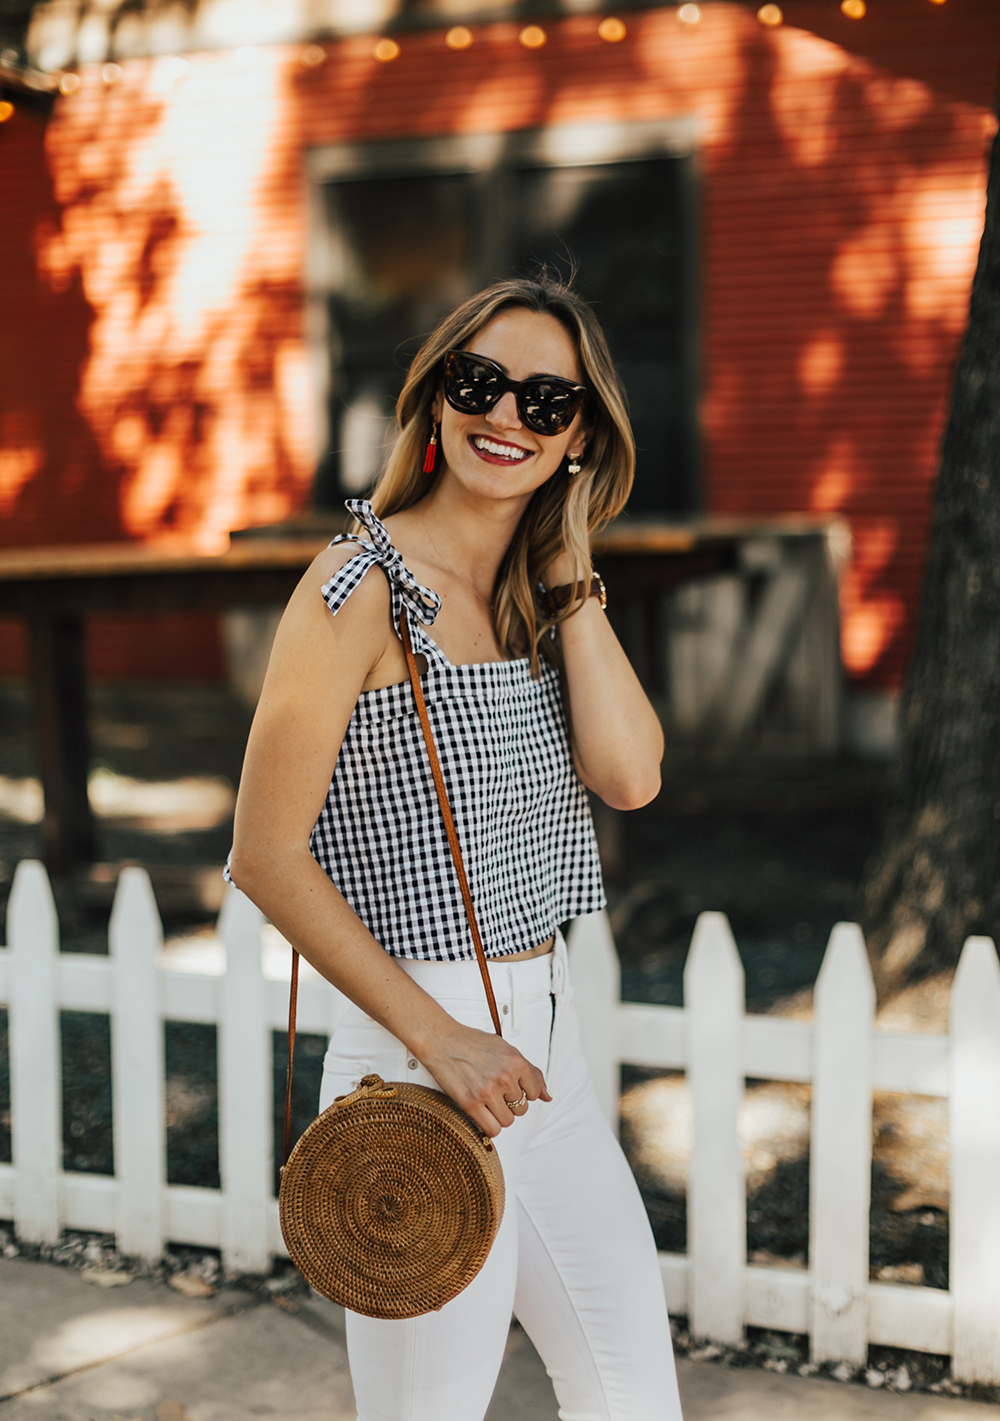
935 877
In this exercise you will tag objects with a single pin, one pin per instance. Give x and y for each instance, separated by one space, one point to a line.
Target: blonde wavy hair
564 513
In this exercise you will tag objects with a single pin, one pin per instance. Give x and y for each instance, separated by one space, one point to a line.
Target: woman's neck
466 537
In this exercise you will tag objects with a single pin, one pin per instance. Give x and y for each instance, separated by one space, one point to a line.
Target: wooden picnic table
56 589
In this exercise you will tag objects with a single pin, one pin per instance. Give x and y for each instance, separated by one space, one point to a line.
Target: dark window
405 250
623 226
401 249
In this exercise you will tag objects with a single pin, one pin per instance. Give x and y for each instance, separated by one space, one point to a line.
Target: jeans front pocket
359 1047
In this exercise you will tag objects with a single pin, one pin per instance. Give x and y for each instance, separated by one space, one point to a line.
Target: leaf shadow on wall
184 379
836 292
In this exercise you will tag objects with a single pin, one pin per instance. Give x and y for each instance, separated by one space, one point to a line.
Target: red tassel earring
430 458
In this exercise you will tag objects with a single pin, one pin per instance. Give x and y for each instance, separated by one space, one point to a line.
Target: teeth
504 451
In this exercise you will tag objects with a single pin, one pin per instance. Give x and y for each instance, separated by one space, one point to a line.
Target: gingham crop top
521 812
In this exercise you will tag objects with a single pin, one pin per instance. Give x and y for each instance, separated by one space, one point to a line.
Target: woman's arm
317 670
616 734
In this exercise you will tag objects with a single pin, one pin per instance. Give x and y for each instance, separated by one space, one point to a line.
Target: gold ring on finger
517 1104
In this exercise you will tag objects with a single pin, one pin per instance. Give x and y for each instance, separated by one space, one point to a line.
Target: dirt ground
778 846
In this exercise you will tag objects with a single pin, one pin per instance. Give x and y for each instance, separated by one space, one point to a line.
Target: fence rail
840 1053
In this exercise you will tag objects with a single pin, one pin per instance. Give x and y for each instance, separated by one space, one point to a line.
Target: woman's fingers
487 1120
496 1113
529 1086
487 1077
535 1086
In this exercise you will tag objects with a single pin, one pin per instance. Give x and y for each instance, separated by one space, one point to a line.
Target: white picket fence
711 1038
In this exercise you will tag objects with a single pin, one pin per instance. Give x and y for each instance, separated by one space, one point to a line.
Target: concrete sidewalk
70 1351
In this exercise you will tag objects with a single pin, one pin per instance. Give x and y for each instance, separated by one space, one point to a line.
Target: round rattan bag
391 1200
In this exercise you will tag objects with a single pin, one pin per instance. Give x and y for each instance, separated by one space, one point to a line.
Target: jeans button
413 1063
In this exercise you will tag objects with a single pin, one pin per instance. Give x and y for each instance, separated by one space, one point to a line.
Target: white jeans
574 1258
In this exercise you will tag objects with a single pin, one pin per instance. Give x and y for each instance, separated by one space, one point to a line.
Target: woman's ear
578 447
581 441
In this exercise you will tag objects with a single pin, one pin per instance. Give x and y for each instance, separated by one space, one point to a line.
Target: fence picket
135 937
35 1074
841 1148
975 1163
596 977
245 1144
716 1199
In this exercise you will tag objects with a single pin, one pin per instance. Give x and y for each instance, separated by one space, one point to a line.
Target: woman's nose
504 415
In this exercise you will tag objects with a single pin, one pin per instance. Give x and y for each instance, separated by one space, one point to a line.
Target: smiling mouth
496 451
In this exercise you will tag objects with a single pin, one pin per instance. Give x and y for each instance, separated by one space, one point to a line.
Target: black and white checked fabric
520 810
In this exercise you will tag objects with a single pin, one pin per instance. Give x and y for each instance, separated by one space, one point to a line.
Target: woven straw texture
391 1200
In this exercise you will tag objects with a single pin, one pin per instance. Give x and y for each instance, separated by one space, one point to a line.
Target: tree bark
935 876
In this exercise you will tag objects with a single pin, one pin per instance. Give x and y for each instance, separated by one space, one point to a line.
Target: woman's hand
482 1072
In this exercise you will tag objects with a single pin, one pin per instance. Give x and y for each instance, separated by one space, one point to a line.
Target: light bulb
854 9
770 15
386 50
458 37
612 30
689 15
533 37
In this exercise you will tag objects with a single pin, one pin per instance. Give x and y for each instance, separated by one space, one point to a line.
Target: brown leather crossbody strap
463 883
293 998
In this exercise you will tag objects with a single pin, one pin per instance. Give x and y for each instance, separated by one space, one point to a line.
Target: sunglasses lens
471 386
549 408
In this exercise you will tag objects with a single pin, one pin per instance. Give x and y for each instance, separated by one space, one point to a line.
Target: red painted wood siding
154 381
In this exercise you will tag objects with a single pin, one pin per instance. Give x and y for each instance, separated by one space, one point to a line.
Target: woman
514 447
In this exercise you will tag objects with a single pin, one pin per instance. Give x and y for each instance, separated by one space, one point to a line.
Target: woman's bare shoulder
364 612
328 563
325 566
321 653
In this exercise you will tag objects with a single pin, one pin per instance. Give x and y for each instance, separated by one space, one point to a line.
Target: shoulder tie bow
421 601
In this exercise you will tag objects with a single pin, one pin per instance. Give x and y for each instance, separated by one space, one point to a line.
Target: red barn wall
154 383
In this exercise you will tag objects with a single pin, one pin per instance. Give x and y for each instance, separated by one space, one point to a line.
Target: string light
111 73
6 110
937 2
312 55
854 9
689 15
458 37
69 83
612 30
533 37
770 15
386 50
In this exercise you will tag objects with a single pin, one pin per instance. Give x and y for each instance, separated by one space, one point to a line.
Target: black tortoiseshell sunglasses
547 404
